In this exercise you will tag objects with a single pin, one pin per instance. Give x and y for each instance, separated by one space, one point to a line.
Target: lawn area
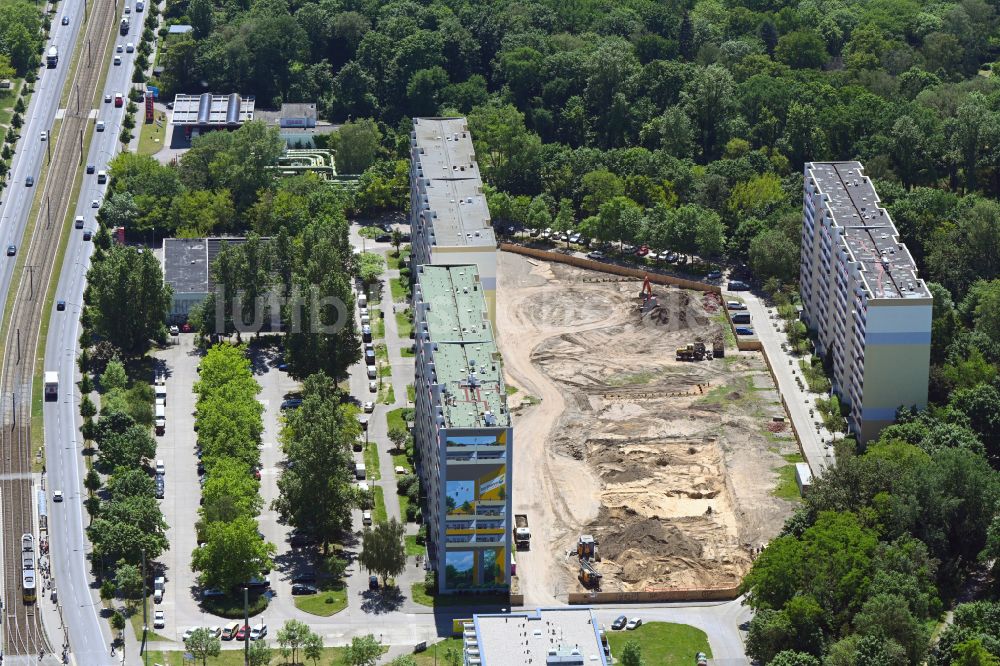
378 513
404 503
151 135
403 324
371 462
663 643
384 370
378 327
407 352
387 396
381 352
787 488
419 594
411 393
399 261
434 655
400 288
412 547
324 603
394 419
401 460
331 655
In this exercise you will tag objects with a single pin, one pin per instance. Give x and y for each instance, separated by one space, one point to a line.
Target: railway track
23 632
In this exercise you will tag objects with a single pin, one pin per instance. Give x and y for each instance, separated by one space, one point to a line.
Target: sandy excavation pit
669 464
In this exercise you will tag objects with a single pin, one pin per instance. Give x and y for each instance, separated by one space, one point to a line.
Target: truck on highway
52 57
123 26
51 385
522 534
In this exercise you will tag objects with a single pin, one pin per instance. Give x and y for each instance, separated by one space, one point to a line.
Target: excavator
646 294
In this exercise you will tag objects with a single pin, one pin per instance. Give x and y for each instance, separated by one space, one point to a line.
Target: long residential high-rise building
862 295
462 430
449 219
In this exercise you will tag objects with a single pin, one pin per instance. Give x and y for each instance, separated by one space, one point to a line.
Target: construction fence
638 274
654 596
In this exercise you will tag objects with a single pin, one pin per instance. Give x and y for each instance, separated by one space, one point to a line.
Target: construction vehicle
699 351
685 353
589 576
522 534
646 294
718 349
701 659
586 548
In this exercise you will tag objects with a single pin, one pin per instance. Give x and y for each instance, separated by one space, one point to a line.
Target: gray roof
187 262
544 636
214 110
869 234
179 29
457 212
445 148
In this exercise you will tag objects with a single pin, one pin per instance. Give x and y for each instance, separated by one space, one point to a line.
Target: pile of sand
652 538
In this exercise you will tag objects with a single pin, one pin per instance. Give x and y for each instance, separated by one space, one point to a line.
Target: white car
373 387
45 135
369 407
130 47
159 620
160 467
96 203
258 632
634 623
57 496
119 48
107 98
100 126
118 60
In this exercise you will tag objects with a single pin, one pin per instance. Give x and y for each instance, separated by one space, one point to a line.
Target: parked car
299 538
713 275
735 305
369 407
634 623
383 238
241 635
299 589
737 285
159 619
619 623
291 403
258 632
230 630
596 255
373 387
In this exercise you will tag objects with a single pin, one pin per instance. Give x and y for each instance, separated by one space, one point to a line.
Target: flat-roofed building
542 637
862 295
449 219
208 111
463 431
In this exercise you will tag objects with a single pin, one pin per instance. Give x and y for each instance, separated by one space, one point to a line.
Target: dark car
619 623
372 582
87 235
91 168
298 539
291 403
736 285
304 579
383 238
304 588
11 250
713 275
60 305
29 181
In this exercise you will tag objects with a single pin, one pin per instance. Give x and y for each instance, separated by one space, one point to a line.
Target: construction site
647 448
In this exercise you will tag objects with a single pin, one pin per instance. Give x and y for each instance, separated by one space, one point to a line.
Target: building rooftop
445 148
458 213
187 262
179 29
466 360
212 110
565 636
871 237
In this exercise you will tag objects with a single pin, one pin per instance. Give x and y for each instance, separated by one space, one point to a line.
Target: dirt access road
670 465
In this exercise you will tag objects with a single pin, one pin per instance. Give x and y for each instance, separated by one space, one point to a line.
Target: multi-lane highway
88 635
22 633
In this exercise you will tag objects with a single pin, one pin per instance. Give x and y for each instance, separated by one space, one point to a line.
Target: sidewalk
816 441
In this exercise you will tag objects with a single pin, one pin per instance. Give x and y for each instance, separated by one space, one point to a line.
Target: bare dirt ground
669 464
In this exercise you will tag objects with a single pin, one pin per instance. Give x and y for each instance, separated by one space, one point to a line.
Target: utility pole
81 146
246 623
145 623
48 145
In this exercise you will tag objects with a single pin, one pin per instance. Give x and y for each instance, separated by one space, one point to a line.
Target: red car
642 251
119 100
242 633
